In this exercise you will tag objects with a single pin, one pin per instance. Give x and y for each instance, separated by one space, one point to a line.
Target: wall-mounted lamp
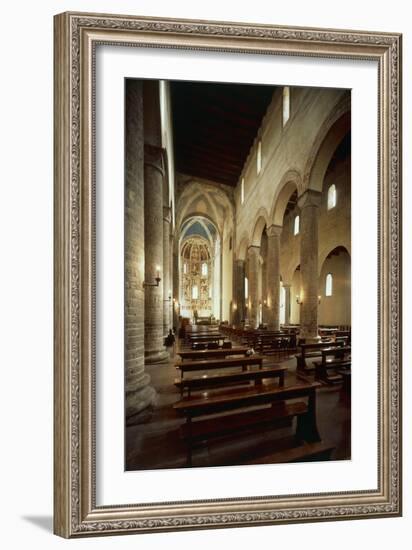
157 278
300 301
265 303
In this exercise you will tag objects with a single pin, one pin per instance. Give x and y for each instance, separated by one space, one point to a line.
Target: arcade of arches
238 226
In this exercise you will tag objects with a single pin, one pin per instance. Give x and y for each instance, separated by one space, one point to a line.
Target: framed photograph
227 243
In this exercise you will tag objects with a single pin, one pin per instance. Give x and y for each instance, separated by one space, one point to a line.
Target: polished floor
156 443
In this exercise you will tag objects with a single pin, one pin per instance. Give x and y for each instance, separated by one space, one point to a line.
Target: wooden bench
322 370
340 358
231 362
200 335
200 355
208 381
236 416
275 344
206 340
313 350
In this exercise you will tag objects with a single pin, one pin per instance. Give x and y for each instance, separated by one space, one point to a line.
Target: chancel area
237 274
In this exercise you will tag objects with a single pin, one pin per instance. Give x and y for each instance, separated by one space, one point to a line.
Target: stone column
139 393
171 243
309 204
253 258
263 293
167 298
176 288
155 352
239 294
273 275
287 286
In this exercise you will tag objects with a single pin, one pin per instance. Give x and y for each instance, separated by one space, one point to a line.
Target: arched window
296 225
242 191
259 157
286 105
329 285
332 196
195 292
246 288
204 269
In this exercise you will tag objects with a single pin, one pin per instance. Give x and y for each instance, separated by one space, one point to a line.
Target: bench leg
282 379
189 442
300 363
306 428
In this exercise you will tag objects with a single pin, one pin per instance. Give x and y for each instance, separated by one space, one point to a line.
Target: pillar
140 395
171 258
253 260
263 291
309 204
287 286
155 352
273 276
176 288
239 294
167 298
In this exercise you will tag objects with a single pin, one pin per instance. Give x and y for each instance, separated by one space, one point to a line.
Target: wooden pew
206 340
313 350
236 416
244 362
200 355
275 344
209 381
340 358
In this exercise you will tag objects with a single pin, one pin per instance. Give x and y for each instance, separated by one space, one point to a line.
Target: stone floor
155 443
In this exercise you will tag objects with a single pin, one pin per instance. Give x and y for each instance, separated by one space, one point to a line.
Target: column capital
286 285
309 198
274 230
155 157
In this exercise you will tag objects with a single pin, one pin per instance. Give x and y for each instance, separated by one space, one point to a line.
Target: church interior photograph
237 274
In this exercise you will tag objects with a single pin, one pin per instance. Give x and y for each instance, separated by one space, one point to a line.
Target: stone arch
335 306
243 246
262 220
288 272
330 134
338 245
290 181
200 204
331 247
214 201
190 219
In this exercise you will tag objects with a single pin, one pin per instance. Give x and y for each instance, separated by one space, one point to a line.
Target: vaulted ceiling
214 126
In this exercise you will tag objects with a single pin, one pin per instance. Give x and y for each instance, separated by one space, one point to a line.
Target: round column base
156 356
140 404
310 338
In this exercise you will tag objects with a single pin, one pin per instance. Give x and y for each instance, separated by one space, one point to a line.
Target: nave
237 274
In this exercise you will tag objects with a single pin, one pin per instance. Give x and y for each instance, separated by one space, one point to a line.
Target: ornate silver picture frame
76 509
